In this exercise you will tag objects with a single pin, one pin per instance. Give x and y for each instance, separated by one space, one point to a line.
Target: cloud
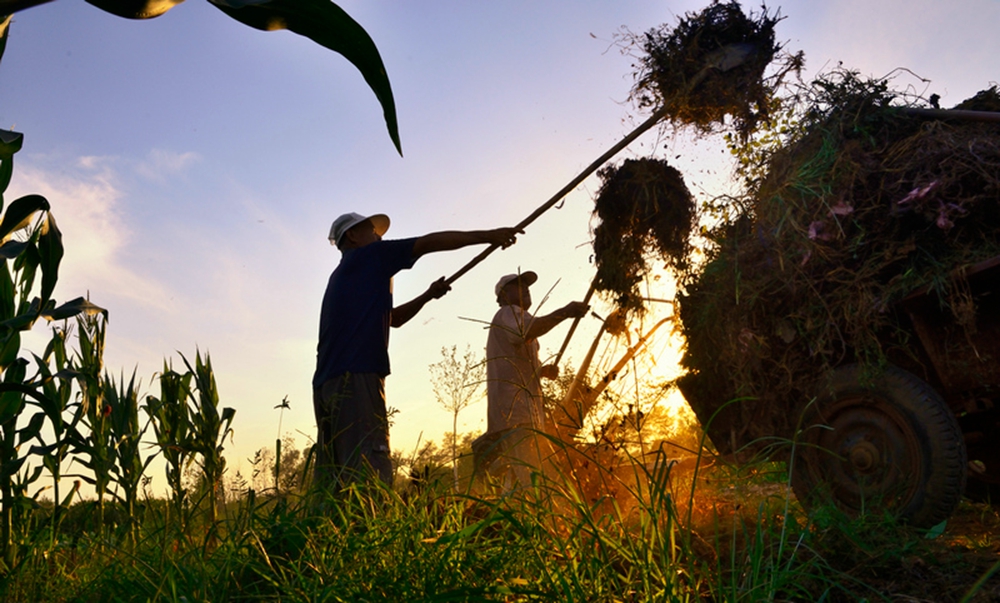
160 164
86 199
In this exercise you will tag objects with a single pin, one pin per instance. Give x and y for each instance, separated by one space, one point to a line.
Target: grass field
726 535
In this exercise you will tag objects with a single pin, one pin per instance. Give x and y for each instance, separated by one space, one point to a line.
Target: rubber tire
887 444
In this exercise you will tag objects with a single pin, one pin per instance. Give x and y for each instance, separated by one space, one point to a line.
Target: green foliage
369 543
58 407
208 428
127 429
30 246
170 416
93 442
70 411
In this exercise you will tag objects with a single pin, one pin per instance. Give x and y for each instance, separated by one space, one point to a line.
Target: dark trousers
353 430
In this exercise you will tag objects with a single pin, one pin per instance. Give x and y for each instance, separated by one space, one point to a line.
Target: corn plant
129 465
209 429
30 246
57 406
170 417
12 458
93 446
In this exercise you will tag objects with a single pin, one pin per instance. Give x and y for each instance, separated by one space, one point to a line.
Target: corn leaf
135 9
4 28
20 212
6 293
50 250
10 142
6 172
329 26
12 249
10 345
32 429
73 308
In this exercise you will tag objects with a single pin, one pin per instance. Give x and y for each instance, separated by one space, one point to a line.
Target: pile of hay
862 205
675 60
646 212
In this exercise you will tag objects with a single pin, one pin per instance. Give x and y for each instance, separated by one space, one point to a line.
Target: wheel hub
875 453
864 456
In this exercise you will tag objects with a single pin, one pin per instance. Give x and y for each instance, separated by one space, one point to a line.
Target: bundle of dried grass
645 211
677 70
861 206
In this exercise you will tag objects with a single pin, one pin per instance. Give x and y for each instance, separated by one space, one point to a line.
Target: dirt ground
944 568
867 559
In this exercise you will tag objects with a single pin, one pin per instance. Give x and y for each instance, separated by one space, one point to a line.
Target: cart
913 437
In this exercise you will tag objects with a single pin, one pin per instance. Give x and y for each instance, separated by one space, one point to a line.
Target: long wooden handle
576 321
723 59
953 114
624 142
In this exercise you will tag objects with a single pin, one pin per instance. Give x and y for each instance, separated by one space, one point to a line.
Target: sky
194 166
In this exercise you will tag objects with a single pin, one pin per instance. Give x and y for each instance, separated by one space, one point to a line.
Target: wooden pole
576 321
722 60
590 169
953 114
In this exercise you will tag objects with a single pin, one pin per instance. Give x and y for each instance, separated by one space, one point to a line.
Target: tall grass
548 542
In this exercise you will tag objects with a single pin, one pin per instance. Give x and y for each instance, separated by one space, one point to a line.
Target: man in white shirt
515 408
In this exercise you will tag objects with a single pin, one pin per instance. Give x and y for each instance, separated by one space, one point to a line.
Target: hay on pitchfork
646 214
675 57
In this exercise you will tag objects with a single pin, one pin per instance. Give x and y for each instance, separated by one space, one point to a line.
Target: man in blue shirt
352 358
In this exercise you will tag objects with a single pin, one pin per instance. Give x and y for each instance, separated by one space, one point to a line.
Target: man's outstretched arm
402 313
456 239
541 325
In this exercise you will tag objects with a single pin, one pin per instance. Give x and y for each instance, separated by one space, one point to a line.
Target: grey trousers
353 430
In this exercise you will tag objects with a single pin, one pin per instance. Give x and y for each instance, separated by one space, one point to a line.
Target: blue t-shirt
357 308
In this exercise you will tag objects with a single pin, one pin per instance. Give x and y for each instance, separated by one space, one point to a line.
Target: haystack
861 205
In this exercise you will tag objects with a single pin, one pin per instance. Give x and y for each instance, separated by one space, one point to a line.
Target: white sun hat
347 221
528 278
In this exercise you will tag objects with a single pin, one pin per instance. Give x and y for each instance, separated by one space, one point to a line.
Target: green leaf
468 531
72 308
67 374
6 292
25 267
10 345
329 26
12 249
50 248
12 466
20 212
936 530
24 320
32 429
10 141
4 28
11 404
135 9
6 172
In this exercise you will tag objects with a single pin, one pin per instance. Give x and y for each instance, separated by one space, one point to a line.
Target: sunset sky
194 165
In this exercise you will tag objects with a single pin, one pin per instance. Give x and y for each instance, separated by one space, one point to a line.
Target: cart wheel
890 444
